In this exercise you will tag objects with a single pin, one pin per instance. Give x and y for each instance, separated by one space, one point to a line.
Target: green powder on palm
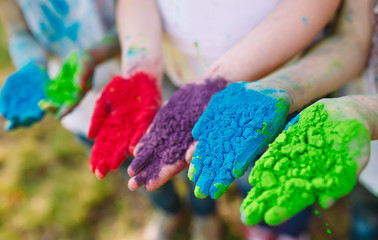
312 160
65 89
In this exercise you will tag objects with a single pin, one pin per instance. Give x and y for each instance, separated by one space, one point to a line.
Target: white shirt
200 31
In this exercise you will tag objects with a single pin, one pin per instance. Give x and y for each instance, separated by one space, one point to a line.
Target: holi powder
20 95
236 127
170 133
65 89
121 117
310 160
135 51
319 216
305 21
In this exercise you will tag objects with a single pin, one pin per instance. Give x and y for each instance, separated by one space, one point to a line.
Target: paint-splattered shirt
198 32
63 25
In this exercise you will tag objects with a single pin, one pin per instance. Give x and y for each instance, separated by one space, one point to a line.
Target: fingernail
98 174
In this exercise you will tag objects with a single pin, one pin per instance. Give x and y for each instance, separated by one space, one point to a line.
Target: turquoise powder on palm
311 160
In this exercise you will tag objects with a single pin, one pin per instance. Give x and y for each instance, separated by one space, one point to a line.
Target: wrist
366 107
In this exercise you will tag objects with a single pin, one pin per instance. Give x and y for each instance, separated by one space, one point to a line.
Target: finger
145 153
97 155
47 106
120 155
100 113
196 164
101 170
277 215
326 201
248 154
220 184
166 173
203 184
27 120
10 125
189 153
199 127
138 134
137 181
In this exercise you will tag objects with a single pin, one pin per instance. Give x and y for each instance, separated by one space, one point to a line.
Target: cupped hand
160 154
236 127
316 158
121 117
69 87
20 95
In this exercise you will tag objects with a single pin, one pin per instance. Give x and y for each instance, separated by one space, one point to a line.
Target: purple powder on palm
170 134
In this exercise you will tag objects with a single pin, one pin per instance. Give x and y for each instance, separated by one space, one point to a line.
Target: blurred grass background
48 192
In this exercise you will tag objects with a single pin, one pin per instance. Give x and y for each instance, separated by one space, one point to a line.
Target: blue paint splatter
58 29
133 51
305 21
60 6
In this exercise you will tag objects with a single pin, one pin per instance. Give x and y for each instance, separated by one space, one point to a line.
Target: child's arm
140 34
318 156
331 63
18 104
327 67
129 102
75 77
23 47
283 34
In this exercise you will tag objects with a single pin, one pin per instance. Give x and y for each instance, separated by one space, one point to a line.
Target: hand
121 117
69 87
316 157
160 154
20 95
236 127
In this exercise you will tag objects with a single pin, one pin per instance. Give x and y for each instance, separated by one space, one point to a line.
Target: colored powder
64 90
20 95
305 21
121 117
310 160
134 51
236 127
170 133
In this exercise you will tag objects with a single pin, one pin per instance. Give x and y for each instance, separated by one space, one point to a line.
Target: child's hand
20 95
316 157
121 117
236 127
160 154
69 87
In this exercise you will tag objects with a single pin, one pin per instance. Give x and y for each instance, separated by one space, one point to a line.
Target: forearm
23 47
289 29
140 35
331 63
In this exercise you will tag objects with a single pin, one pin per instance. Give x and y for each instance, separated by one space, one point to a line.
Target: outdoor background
48 192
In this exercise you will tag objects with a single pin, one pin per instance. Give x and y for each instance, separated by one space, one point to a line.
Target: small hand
236 127
161 152
20 95
121 117
69 87
316 157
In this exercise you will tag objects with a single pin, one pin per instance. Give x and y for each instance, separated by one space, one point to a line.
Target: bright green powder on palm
64 89
309 161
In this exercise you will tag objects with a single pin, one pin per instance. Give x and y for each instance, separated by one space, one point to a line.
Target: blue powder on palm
20 95
236 127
